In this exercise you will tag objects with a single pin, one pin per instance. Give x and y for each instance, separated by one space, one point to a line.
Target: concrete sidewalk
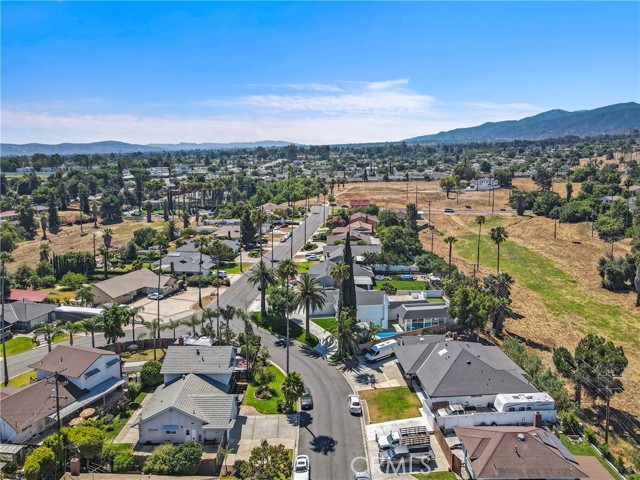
129 433
326 343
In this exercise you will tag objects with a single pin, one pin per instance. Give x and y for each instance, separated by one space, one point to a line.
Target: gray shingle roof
25 311
193 395
455 368
186 262
425 310
369 297
131 282
200 360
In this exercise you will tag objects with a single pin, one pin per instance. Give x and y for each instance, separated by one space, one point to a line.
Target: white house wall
498 418
88 383
151 431
378 314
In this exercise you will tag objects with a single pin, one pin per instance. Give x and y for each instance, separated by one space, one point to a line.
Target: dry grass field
557 291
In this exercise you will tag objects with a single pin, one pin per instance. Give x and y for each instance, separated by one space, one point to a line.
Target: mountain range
8 149
618 118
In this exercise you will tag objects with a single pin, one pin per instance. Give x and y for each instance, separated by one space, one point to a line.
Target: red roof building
360 203
37 296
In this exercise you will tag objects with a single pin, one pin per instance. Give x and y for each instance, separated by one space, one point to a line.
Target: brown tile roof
75 360
130 282
498 452
34 402
592 467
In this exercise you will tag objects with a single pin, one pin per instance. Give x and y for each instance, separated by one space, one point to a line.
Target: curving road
329 435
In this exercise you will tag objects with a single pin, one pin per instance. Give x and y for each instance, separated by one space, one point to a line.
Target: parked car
355 406
155 296
362 476
306 401
400 454
380 278
312 257
406 276
434 278
449 210
450 410
222 274
380 350
302 468
284 239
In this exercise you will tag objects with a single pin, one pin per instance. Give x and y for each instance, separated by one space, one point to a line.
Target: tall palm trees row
497 234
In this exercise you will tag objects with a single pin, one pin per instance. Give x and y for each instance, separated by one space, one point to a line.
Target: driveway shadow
301 419
236 432
323 444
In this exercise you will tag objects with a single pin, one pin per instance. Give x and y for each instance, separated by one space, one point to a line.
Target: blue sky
325 72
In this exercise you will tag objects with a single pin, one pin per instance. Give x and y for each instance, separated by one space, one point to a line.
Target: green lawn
436 476
559 291
326 323
266 406
403 284
386 404
143 355
296 332
18 345
22 379
233 267
305 266
585 449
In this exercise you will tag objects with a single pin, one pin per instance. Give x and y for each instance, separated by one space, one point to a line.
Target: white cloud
314 113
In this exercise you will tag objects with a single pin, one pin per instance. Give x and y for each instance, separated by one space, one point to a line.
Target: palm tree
227 314
105 255
91 325
216 251
224 452
479 220
498 235
173 325
264 276
209 314
292 388
155 327
72 328
345 333
44 251
107 236
201 243
286 269
5 257
259 217
340 272
450 241
85 296
499 285
309 294
134 314
192 322
48 330
170 230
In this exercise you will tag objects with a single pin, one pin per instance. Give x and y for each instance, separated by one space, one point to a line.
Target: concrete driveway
384 373
249 431
174 306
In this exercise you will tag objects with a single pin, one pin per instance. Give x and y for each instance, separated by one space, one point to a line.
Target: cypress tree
349 286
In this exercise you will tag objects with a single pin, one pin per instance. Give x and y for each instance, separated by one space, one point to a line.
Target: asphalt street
329 435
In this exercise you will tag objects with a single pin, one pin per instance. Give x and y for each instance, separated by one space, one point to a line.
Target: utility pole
58 397
429 212
555 228
416 196
432 235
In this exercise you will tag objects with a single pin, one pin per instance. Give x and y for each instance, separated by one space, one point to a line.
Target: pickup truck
400 454
451 410
411 437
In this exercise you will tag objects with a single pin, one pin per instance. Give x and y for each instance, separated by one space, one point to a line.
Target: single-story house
127 287
189 407
364 218
186 263
517 453
322 273
457 372
9 216
336 252
418 310
233 244
228 231
36 296
359 227
214 362
25 316
372 306
356 237
359 203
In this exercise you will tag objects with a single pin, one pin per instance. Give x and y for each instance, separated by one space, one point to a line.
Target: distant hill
619 118
218 146
8 149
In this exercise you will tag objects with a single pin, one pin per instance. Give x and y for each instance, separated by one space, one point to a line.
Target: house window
170 429
187 432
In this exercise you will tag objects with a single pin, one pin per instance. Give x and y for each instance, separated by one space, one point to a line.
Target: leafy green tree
171 230
22 276
348 286
150 375
111 209
599 366
412 216
248 229
73 281
159 462
471 307
448 183
114 319
53 220
144 237
89 441
267 462
185 459
309 294
124 462
39 463
543 177
44 252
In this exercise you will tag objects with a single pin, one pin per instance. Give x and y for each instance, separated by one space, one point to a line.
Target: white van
380 350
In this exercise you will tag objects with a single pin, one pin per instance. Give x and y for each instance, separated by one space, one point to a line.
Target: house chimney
537 420
181 341
172 268
454 336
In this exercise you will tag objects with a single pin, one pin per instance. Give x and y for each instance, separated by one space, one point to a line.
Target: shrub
570 422
39 463
186 458
48 281
88 439
158 462
123 462
134 389
150 375
389 288
590 435
73 280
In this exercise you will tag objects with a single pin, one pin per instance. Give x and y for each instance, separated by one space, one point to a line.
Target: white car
355 406
155 296
302 468
312 257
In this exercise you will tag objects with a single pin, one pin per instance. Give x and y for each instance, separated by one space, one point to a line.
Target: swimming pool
381 335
